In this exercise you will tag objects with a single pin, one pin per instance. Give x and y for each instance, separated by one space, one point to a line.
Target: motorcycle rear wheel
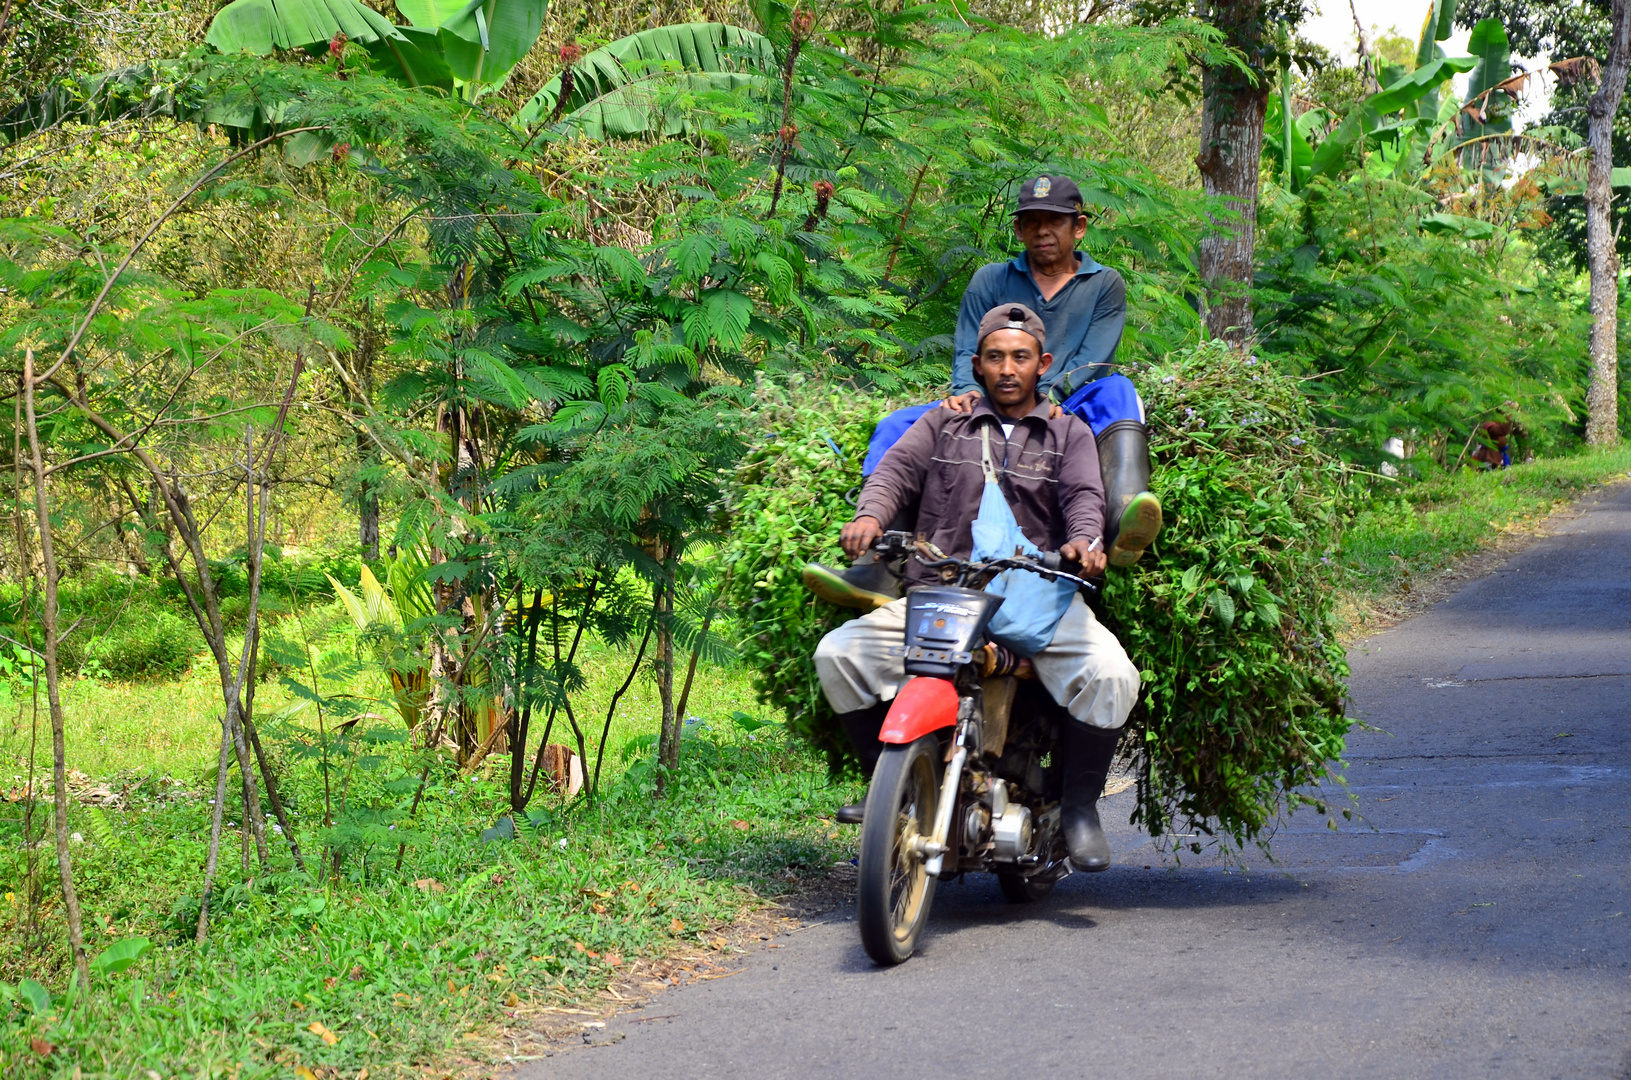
893 888
1019 889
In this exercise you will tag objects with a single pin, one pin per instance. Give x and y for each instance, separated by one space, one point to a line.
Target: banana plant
1381 117
613 92
470 47
262 27
379 612
1297 143
1407 122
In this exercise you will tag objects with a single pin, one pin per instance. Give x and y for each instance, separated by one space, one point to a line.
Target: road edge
1365 618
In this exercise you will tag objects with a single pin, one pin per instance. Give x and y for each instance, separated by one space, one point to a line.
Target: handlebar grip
1052 560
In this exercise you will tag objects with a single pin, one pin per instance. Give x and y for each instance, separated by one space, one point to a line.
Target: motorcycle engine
976 827
1010 826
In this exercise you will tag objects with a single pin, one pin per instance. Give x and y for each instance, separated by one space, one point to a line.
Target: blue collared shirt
1084 321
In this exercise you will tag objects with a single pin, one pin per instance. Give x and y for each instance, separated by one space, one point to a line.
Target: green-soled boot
1132 515
1140 524
865 586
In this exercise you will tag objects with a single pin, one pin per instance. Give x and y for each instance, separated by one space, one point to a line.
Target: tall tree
1234 98
1565 29
1602 399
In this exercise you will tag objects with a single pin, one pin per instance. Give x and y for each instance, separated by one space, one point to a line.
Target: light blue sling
1033 607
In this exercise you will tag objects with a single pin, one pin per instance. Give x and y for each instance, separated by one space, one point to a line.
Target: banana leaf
615 91
1469 228
430 14
483 39
263 26
1367 118
1486 108
1436 27
411 57
1411 88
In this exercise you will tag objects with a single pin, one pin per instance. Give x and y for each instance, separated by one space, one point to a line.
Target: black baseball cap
1058 194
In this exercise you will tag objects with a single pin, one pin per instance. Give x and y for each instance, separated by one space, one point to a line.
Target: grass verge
1396 544
384 969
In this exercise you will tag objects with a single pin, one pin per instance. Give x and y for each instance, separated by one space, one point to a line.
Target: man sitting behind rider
1083 308
1049 472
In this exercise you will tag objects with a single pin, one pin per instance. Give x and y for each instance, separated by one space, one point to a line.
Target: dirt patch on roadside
1416 594
532 1030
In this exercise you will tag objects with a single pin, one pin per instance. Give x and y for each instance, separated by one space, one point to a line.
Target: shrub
146 644
786 504
1229 616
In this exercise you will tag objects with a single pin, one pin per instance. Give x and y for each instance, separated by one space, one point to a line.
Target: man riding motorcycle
1083 307
1049 474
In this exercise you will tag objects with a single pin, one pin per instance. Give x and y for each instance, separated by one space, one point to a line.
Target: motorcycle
966 781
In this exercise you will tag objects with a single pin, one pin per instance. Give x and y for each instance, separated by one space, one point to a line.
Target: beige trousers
1084 668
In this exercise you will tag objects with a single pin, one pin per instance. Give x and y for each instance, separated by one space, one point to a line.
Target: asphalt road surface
1477 925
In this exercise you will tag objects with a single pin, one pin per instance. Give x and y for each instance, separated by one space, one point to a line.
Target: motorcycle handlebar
1050 566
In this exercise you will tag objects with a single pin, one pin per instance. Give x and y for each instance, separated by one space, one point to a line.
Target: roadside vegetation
420 421
1405 533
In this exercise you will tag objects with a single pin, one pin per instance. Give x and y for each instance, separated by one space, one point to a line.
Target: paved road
1483 929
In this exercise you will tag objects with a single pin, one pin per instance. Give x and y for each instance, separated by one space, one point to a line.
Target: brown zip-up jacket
1049 474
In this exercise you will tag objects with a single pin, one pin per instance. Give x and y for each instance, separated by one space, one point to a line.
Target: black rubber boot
866 585
1132 516
1085 753
862 727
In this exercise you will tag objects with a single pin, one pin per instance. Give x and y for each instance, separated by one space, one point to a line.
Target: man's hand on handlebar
964 403
1092 562
859 535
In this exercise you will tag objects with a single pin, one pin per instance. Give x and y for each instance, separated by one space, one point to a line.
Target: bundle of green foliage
789 497
1229 616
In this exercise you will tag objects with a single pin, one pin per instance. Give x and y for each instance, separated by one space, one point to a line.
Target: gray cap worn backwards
1013 317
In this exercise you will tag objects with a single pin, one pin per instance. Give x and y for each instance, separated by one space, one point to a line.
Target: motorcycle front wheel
894 890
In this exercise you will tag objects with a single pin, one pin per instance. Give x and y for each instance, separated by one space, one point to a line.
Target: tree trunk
367 500
1602 399
212 856
1231 149
367 452
53 676
668 739
254 542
